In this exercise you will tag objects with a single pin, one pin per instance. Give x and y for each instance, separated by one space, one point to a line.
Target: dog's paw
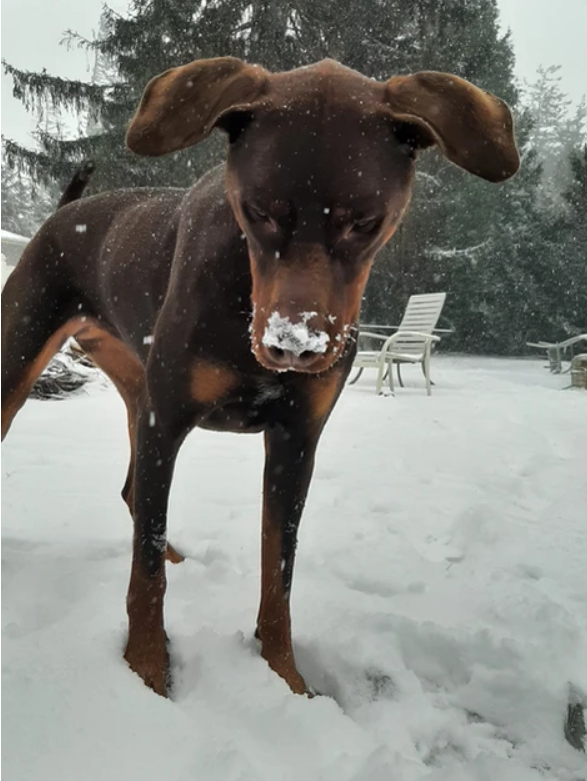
150 661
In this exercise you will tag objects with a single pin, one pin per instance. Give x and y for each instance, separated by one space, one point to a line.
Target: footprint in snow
438 549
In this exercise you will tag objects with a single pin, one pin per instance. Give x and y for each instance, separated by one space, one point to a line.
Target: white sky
544 32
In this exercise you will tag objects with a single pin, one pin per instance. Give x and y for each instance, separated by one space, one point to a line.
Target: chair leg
554 359
380 371
399 376
390 378
424 373
352 382
426 365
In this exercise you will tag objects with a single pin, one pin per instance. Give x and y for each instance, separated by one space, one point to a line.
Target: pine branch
73 39
34 90
72 149
56 160
27 162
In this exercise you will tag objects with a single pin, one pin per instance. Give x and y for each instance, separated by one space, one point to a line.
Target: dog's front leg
146 650
289 462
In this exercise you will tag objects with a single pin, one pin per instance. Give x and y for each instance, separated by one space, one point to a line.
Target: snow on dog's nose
295 337
293 345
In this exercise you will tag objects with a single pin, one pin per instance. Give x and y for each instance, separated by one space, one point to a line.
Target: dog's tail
78 183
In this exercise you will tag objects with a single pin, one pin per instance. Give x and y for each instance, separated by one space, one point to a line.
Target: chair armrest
428 337
383 337
559 345
573 340
389 340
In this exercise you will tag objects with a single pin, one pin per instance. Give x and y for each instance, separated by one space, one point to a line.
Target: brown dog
232 305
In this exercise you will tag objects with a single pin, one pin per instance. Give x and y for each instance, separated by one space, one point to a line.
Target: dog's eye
366 225
256 214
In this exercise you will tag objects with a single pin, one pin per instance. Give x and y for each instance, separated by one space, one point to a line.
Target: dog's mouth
281 342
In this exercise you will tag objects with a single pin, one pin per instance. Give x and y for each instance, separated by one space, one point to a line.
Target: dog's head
319 173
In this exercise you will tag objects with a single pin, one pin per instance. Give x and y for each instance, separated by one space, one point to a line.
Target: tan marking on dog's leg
274 619
33 371
146 649
125 370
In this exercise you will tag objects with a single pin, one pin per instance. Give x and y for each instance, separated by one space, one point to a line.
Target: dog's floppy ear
473 128
180 107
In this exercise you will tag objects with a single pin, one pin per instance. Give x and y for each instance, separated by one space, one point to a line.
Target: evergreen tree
24 205
556 131
485 245
447 228
156 35
562 279
375 37
14 203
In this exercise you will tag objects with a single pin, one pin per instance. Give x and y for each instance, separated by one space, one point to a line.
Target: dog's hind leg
38 316
128 376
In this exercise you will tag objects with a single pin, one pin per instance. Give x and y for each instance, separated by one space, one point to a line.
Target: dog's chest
229 400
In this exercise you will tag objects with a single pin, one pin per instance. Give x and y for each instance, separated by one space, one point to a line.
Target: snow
14 238
5 269
438 601
12 248
296 337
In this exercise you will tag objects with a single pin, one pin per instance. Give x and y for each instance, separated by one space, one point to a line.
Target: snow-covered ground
439 597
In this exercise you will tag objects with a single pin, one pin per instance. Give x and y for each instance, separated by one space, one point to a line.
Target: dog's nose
287 359
292 344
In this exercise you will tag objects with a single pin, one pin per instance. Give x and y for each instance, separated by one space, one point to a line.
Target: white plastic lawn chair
554 350
412 342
